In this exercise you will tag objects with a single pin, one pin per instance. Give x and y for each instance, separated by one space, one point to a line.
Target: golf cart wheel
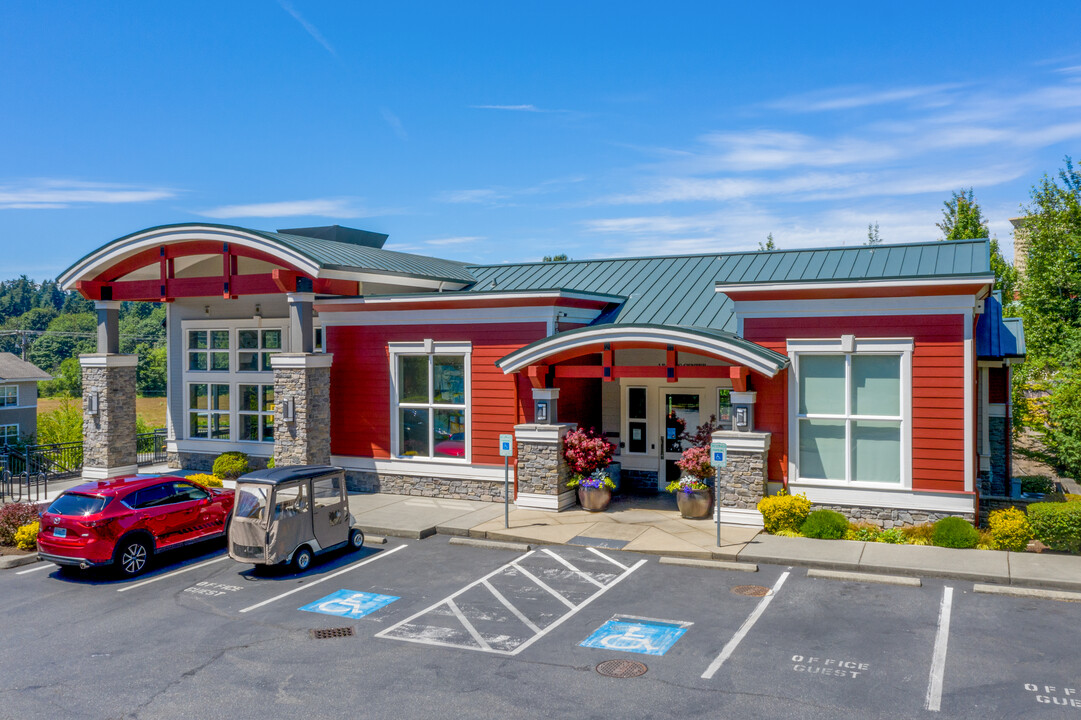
302 559
132 556
356 539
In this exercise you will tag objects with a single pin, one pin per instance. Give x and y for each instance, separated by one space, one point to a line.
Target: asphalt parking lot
441 630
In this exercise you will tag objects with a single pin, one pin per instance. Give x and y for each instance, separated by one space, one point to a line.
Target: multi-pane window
208 350
850 417
431 406
254 348
9 434
255 413
724 408
9 395
208 411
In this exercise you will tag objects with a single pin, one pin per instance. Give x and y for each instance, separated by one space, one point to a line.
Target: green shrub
206 480
26 537
12 517
1073 498
918 534
825 524
1057 525
231 465
954 532
863 531
270 464
787 533
1037 484
893 536
783 511
1010 529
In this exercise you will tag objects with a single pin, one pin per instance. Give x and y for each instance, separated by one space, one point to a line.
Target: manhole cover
326 633
751 590
621 668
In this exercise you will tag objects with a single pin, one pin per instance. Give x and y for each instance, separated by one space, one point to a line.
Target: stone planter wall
542 471
886 518
204 462
424 486
741 483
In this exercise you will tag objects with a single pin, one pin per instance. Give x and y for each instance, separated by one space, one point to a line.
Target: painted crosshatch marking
637 635
349 604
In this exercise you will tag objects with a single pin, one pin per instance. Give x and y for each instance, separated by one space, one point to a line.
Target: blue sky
495 132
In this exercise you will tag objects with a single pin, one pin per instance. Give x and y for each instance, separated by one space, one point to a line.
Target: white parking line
938 661
732 644
595 551
468 625
171 574
576 571
557 595
507 604
42 566
305 586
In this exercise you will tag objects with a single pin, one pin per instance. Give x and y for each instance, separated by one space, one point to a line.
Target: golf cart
290 515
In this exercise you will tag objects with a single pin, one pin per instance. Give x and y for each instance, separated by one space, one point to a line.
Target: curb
489 544
1024 592
709 564
14 561
374 539
410 534
865 577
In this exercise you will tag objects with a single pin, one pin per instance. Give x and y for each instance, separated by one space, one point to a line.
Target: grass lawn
150 409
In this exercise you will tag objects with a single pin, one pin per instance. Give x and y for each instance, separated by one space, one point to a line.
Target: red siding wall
360 384
938 387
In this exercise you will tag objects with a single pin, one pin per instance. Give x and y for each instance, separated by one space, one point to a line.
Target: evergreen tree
962 218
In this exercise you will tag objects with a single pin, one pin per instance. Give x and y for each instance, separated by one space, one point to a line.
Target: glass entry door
682 414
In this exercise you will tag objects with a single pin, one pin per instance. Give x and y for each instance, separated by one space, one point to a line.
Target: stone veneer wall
889 517
542 469
109 436
458 489
742 480
638 482
204 462
1000 447
306 440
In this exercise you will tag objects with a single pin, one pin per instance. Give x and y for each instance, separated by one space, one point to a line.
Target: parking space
722 636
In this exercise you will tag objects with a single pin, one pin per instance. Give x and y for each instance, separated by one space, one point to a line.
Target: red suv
124 521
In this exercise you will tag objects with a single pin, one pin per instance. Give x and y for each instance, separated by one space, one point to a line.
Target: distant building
1021 240
18 397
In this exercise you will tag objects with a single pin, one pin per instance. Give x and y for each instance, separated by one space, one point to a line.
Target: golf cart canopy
281 476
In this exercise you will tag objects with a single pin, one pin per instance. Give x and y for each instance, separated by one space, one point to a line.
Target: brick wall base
204 462
889 517
453 488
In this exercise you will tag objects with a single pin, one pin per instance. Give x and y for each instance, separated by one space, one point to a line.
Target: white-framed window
254 348
724 408
430 390
9 433
255 410
850 411
228 381
9 395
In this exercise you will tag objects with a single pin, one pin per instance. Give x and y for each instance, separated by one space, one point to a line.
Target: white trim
970 403
472 297
100 473
106 304
850 285
297 361
548 315
5 426
545 393
15 405
429 348
542 433
108 361
860 346
901 499
744 442
984 433
737 397
216 447
708 345
420 468
747 517
852 307
551 503
996 410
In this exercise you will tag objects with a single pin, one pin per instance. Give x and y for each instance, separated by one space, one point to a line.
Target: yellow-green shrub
783 511
918 534
1010 529
26 537
206 480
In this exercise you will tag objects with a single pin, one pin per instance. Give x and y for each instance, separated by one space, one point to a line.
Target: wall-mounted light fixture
206 309
288 410
92 404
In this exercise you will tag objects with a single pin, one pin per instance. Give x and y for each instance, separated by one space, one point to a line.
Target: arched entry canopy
207 260
537 358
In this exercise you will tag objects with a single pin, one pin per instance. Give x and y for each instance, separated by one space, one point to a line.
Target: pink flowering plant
587 452
696 470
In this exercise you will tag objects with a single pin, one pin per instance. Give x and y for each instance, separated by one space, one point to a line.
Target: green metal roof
680 290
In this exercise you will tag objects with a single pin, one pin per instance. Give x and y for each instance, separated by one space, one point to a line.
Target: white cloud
856 97
51 194
519 108
308 27
459 240
478 195
394 122
323 207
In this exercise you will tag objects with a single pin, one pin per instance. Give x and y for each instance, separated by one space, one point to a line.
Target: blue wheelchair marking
647 638
349 604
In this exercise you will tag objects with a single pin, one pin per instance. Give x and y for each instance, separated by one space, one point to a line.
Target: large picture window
431 403
850 412
208 411
255 410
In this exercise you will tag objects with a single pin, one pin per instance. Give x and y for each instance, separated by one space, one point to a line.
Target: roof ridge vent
337 233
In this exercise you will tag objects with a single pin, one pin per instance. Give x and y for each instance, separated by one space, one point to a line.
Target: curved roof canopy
702 340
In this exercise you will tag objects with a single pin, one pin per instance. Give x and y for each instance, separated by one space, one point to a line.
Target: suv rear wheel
132 555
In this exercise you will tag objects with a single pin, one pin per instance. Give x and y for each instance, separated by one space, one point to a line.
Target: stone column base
539 501
302 380
109 447
99 473
542 471
742 482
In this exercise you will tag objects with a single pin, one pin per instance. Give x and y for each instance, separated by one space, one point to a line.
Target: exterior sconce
289 410
92 404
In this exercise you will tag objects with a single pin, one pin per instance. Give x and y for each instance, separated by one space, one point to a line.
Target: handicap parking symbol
640 635
349 604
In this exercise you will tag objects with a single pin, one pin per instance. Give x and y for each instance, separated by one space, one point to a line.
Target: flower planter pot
594 499
695 504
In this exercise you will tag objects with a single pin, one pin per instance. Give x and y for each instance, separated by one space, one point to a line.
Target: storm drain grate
621 668
327 633
751 590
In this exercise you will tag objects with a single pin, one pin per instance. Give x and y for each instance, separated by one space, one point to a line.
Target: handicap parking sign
639 635
505 445
349 604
